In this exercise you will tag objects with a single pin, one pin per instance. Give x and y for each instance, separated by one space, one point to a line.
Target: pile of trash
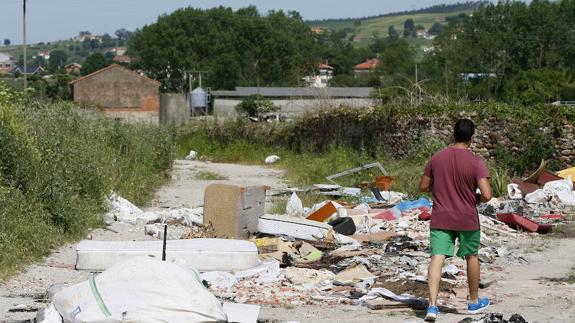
372 254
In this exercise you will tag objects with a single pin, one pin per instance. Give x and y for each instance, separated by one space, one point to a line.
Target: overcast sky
50 20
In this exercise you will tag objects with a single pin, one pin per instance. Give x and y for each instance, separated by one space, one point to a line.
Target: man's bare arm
485 188
425 184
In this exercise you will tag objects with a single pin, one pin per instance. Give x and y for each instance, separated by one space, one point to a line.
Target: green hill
377 26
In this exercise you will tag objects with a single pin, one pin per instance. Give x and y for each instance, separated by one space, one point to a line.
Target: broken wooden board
384 304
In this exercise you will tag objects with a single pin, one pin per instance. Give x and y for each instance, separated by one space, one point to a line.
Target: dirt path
524 289
29 288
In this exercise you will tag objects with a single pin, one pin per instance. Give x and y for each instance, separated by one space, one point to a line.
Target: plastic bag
294 206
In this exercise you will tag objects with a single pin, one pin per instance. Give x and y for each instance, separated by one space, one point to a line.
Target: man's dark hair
463 131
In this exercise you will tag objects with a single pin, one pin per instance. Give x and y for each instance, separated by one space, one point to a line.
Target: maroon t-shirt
454 173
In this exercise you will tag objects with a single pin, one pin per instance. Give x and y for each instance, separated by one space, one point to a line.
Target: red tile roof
323 66
370 64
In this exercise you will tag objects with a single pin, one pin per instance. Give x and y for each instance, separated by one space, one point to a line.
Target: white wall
227 107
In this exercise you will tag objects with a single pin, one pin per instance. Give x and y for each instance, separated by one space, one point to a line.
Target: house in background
6 63
44 54
73 68
366 69
30 70
118 51
122 59
322 79
120 93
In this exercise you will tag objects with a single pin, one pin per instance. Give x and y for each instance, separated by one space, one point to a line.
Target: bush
256 105
58 165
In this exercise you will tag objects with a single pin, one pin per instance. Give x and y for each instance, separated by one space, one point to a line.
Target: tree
58 59
7 42
107 41
357 23
391 32
274 50
255 105
409 28
397 62
435 29
93 63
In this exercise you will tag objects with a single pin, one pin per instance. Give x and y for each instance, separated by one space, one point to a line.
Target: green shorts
443 242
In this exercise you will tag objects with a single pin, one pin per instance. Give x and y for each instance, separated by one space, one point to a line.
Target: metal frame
356 170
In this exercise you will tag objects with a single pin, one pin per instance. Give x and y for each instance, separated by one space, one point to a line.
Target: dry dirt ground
529 289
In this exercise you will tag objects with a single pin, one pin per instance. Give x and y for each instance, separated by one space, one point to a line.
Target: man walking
453 176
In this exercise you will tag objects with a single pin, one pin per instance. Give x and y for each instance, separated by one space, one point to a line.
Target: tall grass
304 168
58 163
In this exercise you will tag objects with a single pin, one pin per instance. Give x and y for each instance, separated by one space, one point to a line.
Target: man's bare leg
434 277
473 277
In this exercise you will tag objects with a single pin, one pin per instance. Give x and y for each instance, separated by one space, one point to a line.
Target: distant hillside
366 28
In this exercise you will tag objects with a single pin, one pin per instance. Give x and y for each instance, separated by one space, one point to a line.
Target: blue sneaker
432 313
478 307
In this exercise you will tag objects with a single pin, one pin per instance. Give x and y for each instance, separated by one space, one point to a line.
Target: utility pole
417 84
24 45
446 82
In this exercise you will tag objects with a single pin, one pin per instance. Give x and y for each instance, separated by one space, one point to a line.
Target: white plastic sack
561 191
141 290
514 192
49 315
294 206
537 197
272 159
192 155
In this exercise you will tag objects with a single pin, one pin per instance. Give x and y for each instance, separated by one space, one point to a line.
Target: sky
50 20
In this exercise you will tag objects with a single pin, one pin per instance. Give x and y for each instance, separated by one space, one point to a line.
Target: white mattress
200 254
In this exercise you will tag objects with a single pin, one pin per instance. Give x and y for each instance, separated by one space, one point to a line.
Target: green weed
58 164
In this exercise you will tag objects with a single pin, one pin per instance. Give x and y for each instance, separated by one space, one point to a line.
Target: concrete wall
120 93
174 109
227 107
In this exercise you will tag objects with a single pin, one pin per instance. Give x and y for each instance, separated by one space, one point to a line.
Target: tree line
440 8
511 51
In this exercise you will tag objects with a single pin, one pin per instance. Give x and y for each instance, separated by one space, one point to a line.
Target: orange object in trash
384 182
324 213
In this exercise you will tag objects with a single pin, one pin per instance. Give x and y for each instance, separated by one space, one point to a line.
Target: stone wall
495 134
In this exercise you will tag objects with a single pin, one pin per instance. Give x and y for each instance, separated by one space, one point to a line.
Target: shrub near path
57 165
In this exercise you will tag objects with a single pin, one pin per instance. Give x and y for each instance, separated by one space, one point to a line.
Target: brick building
121 94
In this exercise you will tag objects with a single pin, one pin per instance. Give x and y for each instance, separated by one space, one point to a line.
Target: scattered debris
495 318
373 253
